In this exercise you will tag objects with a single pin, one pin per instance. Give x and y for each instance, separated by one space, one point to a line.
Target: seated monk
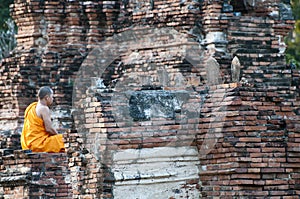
38 134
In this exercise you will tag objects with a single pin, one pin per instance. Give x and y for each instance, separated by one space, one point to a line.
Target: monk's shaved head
44 91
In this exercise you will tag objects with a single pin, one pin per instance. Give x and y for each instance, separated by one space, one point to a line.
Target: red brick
249 139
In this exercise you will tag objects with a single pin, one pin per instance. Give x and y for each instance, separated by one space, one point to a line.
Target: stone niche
158 99
144 105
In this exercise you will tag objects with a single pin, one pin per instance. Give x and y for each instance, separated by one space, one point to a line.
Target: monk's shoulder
41 110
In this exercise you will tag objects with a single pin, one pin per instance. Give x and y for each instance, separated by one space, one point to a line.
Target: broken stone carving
235 69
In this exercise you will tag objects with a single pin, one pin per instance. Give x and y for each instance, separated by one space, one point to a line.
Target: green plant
4 13
293 40
7 30
7 39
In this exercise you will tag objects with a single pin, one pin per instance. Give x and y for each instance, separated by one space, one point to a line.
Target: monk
38 134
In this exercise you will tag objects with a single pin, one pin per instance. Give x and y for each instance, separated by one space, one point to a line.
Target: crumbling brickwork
158 99
35 175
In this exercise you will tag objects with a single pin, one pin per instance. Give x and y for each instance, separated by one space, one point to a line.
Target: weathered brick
246 132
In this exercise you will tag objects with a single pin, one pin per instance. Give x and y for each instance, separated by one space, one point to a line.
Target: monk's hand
53 133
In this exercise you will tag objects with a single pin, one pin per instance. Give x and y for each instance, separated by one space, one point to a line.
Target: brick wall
253 156
145 93
35 175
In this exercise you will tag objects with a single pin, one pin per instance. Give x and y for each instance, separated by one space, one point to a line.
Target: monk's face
49 99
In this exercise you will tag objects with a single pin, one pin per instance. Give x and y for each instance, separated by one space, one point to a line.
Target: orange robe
34 136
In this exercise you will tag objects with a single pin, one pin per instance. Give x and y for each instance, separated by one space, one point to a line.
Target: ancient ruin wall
218 125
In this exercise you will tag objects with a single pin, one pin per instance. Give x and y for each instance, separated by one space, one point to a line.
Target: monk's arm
47 121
